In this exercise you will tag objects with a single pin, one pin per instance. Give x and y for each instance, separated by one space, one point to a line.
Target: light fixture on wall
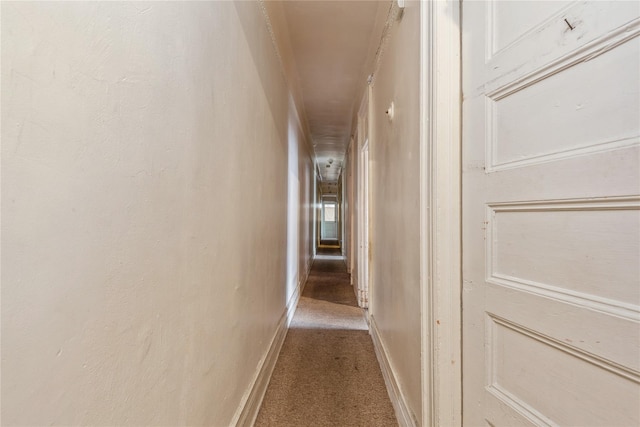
400 10
390 112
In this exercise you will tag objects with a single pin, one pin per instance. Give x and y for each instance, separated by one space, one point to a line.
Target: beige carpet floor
327 373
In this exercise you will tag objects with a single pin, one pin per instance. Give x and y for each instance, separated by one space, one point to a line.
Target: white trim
587 52
394 12
292 304
363 194
252 399
403 413
622 309
364 240
440 209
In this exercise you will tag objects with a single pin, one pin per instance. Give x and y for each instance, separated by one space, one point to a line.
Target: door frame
363 195
440 212
363 221
324 199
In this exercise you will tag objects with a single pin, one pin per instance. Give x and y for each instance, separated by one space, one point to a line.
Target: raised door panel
551 213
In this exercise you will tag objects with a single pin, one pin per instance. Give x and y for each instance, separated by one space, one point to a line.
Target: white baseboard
405 416
252 400
247 412
292 304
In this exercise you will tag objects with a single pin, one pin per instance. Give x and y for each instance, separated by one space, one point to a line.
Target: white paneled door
551 213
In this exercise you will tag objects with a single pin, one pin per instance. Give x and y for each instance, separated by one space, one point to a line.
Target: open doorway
329 223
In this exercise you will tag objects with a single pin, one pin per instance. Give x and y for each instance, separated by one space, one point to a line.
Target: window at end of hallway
330 212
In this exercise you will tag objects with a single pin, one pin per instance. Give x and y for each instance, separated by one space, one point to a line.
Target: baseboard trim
405 416
292 304
248 410
252 400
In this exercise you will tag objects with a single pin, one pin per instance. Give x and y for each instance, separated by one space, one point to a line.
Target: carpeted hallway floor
327 373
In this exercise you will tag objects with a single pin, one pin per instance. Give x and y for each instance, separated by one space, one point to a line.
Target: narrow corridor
169 168
327 373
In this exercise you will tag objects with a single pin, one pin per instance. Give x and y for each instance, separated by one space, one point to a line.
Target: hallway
327 373
169 169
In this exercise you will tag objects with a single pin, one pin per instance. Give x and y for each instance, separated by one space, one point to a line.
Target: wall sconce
390 112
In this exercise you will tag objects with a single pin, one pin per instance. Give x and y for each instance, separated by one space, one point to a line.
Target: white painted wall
293 213
395 196
299 209
306 245
144 221
301 187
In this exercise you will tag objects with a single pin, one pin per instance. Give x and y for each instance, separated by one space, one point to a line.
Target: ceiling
333 45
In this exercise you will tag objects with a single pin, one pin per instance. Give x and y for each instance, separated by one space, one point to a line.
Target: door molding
364 240
324 200
363 195
440 213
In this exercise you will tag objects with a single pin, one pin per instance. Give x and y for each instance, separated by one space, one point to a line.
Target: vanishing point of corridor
327 373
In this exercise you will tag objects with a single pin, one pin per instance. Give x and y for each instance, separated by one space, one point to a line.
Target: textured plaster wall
299 208
144 210
395 185
306 245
